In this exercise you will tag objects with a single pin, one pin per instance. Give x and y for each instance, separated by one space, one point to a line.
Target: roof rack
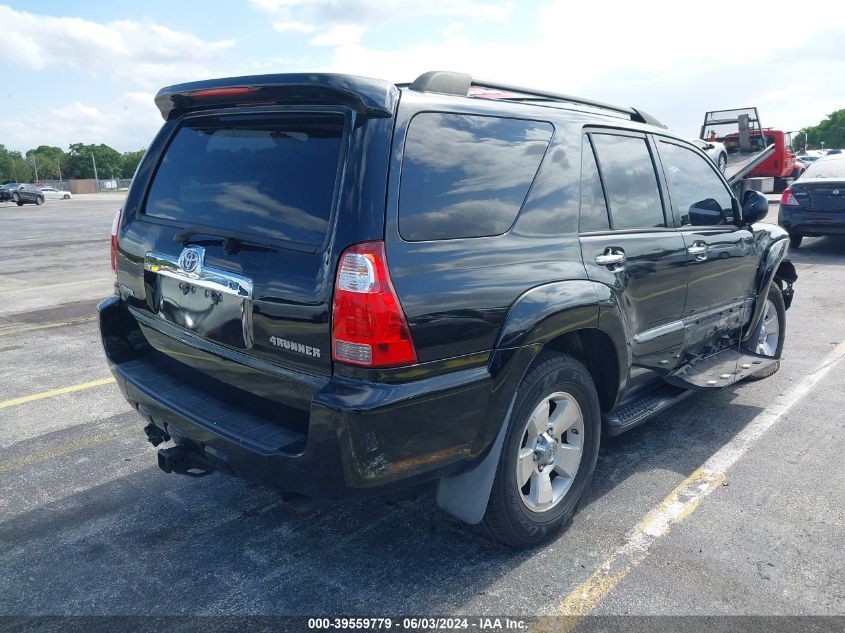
459 84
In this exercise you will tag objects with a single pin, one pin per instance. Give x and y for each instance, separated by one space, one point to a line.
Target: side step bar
641 407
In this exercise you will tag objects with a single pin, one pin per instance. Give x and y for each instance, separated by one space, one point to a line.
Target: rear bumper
811 223
360 436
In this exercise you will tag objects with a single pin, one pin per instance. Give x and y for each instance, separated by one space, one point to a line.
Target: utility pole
15 168
35 167
59 165
96 178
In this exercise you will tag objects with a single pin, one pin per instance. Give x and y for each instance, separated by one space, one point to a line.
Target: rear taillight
368 325
788 198
115 227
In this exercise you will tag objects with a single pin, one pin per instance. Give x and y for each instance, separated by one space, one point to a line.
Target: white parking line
682 501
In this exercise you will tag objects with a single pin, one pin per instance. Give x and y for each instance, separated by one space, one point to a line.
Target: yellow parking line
679 504
676 506
65 449
55 392
32 328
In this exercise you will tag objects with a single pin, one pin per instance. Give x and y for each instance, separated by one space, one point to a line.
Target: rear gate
246 201
827 196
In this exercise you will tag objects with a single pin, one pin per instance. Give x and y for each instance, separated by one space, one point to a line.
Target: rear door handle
698 250
612 258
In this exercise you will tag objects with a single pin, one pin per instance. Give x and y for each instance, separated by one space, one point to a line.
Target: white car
715 150
51 193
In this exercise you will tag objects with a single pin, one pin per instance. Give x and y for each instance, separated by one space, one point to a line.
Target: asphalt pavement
90 526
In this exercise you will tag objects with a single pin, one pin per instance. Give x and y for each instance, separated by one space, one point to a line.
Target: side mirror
755 207
710 146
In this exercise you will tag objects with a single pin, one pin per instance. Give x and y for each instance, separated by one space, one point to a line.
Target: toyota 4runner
333 285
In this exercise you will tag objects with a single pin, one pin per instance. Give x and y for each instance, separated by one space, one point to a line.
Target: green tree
80 165
48 159
129 162
831 132
13 166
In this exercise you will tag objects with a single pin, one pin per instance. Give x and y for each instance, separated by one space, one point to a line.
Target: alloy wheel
550 451
768 334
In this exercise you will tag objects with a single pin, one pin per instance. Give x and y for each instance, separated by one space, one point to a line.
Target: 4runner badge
295 347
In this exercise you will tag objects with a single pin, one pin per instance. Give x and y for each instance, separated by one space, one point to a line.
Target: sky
82 71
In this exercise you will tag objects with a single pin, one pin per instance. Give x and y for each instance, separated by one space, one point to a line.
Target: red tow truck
758 158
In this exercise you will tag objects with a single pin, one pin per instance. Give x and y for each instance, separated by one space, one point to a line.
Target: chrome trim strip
661 330
202 275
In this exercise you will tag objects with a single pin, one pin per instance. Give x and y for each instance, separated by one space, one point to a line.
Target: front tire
723 162
65 197
795 240
39 200
16 198
771 333
549 453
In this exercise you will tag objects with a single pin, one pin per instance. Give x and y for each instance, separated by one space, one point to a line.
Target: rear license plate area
211 314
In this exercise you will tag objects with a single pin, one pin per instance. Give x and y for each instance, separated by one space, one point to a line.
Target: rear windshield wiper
232 244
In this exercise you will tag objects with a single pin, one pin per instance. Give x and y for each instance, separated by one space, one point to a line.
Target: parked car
331 291
22 194
715 150
815 204
6 191
51 193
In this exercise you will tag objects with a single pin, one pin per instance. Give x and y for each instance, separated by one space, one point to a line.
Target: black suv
334 285
22 194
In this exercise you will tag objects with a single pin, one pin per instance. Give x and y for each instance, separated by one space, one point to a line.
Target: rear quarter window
467 175
273 178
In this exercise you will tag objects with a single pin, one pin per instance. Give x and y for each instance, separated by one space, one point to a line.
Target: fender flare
535 318
773 263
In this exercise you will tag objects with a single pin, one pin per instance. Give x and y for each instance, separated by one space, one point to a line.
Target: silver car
715 150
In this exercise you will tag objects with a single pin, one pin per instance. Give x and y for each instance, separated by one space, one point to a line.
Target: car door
721 256
629 244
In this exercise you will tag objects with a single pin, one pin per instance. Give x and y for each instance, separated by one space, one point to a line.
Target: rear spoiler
372 97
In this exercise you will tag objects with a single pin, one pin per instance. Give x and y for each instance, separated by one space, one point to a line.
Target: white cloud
293 26
346 23
665 60
143 53
128 123
340 35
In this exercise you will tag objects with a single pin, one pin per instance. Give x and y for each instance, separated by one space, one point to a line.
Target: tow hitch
178 459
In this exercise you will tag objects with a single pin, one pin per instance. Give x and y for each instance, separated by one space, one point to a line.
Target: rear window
828 168
274 178
467 175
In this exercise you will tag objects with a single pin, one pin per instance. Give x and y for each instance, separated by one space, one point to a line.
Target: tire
16 198
20 203
775 303
39 200
795 240
509 517
65 197
723 162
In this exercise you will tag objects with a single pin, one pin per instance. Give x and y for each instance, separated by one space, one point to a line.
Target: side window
467 175
593 207
698 195
630 182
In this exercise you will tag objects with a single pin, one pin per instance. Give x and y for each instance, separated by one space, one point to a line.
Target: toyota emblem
836 192
190 259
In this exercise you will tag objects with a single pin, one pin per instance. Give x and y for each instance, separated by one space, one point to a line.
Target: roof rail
458 84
